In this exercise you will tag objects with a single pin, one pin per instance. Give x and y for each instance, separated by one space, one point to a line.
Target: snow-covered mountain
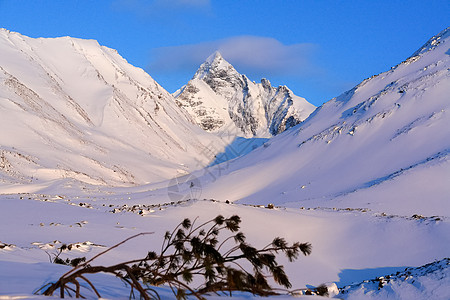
365 179
72 108
384 144
223 101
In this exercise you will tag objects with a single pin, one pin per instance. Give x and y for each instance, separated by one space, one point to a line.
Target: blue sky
317 48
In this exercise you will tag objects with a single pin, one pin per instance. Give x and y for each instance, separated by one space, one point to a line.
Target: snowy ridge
223 101
88 115
432 43
428 281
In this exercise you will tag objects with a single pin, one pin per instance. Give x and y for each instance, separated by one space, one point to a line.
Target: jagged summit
222 100
215 57
215 66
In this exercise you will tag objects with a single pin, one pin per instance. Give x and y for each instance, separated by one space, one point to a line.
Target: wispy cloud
189 2
251 55
146 8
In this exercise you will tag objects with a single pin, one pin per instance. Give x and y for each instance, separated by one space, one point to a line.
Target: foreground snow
343 240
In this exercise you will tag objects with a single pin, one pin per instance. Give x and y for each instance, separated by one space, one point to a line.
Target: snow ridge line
409 275
439 155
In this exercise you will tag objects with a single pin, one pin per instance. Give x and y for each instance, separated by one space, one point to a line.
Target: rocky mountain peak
221 99
215 66
214 58
266 83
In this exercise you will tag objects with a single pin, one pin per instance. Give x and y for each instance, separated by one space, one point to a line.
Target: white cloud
251 55
191 2
145 7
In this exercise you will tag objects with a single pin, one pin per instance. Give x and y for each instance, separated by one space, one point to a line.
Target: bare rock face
222 100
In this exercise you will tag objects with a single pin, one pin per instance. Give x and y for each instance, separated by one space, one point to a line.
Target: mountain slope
72 108
382 144
223 101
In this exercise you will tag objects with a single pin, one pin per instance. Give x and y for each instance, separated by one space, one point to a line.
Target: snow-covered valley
94 151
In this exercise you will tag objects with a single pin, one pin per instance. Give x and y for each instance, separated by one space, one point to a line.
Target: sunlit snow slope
384 144
72 108
223 101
